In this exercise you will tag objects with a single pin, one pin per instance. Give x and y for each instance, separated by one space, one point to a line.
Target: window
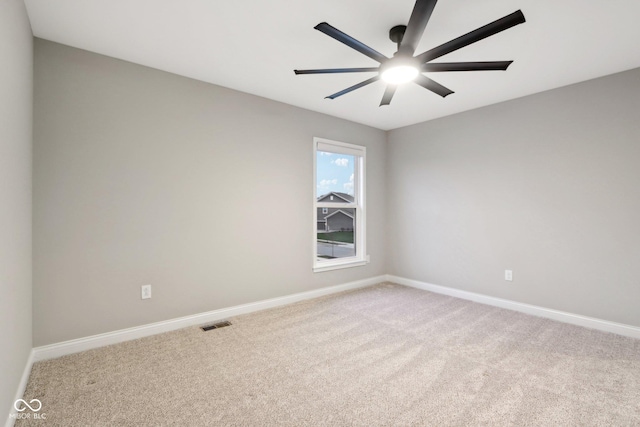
338 205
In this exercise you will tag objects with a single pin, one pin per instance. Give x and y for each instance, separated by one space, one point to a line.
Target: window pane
339 200
336 233
334 177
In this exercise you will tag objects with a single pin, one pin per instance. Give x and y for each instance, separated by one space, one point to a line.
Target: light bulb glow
399 74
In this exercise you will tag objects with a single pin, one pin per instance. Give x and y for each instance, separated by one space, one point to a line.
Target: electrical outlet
145 292
508 275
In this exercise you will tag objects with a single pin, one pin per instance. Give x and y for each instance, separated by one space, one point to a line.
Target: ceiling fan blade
388 94
354 87
476 35
417 23
434 87
338 70
432 67
350 41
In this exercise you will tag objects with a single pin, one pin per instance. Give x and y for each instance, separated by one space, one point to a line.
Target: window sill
320 267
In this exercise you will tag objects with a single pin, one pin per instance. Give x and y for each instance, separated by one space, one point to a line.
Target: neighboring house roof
339 211
346 198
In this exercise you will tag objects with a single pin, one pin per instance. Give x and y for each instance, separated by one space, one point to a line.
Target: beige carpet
387 355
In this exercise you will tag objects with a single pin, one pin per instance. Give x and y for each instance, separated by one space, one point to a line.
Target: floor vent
216 325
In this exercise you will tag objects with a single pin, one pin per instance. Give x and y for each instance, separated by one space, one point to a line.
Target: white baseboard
21 388
561 316
81 344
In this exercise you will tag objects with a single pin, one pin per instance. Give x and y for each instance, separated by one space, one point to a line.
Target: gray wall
146 177
546 185
16 91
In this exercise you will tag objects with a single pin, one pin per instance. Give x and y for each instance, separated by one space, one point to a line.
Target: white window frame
359 205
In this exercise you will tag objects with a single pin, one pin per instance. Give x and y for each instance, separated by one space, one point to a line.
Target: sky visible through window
334 172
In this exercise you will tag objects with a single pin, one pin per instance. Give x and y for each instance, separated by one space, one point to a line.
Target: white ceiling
254 45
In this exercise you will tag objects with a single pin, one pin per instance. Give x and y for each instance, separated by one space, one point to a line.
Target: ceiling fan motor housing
397 33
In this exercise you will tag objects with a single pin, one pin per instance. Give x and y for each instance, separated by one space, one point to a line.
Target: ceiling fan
404 67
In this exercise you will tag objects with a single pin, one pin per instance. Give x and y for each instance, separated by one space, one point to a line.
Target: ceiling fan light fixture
399 74
399 69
